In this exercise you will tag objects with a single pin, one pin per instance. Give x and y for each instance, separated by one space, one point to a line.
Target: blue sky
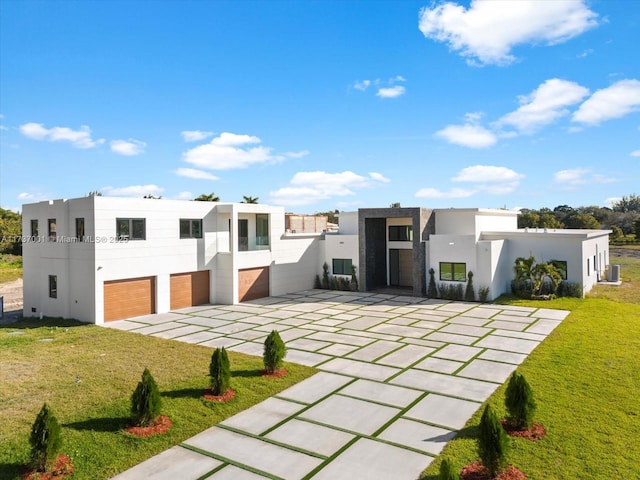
318 105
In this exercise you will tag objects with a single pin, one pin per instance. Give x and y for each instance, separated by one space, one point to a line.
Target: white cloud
574 177
184 196
306 188
300 154
78 138
487 179
229 151
618 100
434 193
128 148
585 53
489 30
26 196
487 173
362 85
195 135
472 136
611 200
385 88
635 153
544 105
194 173
391 92
133 191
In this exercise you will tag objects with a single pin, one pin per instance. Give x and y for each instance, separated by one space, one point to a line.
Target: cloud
585 53
487 173
635 153
128 148
487 179
362 85
184 196
391 92
472 136
229 151
611 200
26 196
300 154
618 100
385 88
488 31
194 173
195 135
133 191
544 105
78 138
437 194
306 188
575 177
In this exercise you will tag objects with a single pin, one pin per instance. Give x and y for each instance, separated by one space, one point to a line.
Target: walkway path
399 376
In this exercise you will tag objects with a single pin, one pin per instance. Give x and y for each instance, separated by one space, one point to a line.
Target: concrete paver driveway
399 376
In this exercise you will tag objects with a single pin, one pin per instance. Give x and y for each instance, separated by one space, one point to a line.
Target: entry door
243 235
394 267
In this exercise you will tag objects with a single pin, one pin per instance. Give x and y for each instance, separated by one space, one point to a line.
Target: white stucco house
98 259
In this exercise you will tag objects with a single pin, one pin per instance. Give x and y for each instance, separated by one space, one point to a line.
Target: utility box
614 273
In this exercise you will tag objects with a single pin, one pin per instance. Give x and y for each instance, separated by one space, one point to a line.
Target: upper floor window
130 228
262 229
453 272
52 229
34 228
190 228
80 229
400 233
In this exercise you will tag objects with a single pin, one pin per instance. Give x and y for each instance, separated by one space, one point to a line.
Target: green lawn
87 374
10 268
586 381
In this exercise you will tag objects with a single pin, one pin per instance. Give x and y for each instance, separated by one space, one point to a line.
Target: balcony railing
247 244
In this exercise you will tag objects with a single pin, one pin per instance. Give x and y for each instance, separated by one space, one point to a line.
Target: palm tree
211 197
247 199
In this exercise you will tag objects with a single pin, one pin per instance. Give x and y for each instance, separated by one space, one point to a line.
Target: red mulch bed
161 425
536 432
61 468
275 374
225 397
477 471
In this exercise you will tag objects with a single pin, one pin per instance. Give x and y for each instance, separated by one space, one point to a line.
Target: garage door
189 289
253 283
129 298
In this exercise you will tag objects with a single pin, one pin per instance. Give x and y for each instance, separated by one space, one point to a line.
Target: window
262 229
53 286
80 229
52 229
34 228
342 266
453 272
561 266
190 228
588 267
400 233
130 228
243 234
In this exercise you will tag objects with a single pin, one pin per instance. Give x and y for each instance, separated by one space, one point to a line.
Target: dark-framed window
453 272
34 228
52 229
262 229
80 229
130 228
190 228
341 266
400 233
53 286
561 266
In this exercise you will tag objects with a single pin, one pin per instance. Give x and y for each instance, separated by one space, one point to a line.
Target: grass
10 267
586 380
87 374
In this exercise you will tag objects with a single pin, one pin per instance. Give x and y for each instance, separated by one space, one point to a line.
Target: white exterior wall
455 222
348 223
341 246
452 248
596 250
492 269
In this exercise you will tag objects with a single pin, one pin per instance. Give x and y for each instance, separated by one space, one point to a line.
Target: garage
130 297
253 283
189 289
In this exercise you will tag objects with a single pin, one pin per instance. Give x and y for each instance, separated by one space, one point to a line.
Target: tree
354 280
45 440
149 195
519 402
582 220
523 268
246 199
528 219
325 276
274 352
469 294
432 290
548 220
211 197
332 216
220 372
95 193
10 232
627 204
145 401
447 472
493 443
636 228
616 233
545 272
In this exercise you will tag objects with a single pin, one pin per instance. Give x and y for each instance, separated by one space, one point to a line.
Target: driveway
398 377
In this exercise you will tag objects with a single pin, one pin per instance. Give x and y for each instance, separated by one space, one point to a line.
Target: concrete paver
420 436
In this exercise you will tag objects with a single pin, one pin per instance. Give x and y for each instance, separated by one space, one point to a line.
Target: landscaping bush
325 276
220 372
274 352
469 294
432 291
316 283
483 293
458 292
354 280
519 402
493 442
45 440
570 289
145 401
447 472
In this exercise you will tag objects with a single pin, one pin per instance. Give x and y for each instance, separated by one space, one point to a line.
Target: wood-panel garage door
253 283
129 298
189 289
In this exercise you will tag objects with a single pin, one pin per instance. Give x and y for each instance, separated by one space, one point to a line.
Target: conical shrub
519 402
145 401
274 352
447 472
432 290
493 443
469 294
220 372
45 440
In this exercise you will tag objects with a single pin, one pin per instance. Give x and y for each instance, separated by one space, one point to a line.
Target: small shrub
446 291
354 279
432 291
333 283
483 293
570 289
45 440
316 283
469 294
343 283
447 471
220 372
493 443
145 401
458 292
519 402
274 352
325 276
